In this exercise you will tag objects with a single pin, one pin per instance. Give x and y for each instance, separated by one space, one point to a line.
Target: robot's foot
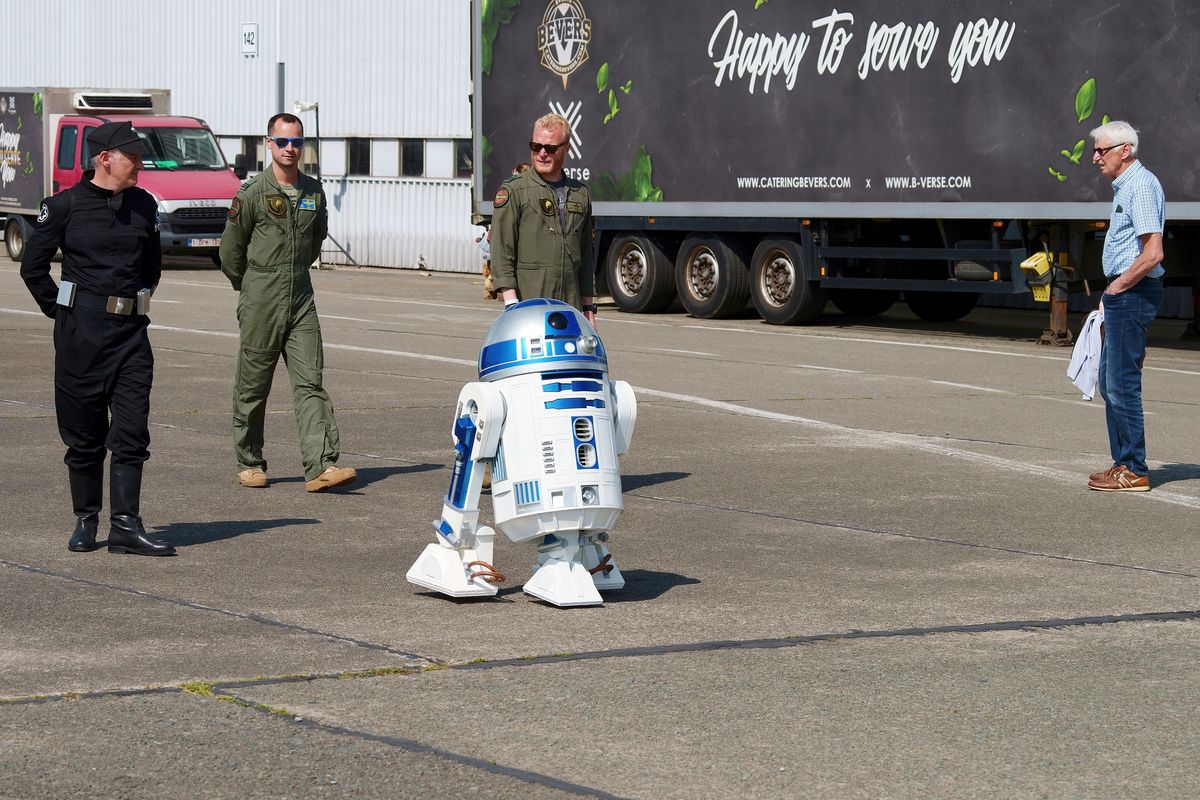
442 570
563 583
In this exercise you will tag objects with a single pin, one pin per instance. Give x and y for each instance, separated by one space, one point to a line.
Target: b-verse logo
563 37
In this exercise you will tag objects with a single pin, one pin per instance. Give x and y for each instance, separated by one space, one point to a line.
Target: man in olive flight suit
542 227
274 233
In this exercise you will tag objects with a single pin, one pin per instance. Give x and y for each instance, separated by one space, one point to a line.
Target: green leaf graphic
602 77
1105 120
1077 152
612 106
1085 99
1057 174
493 14
758 3
636 185
628 87
37 104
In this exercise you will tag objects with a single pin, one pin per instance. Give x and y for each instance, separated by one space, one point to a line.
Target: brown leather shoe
1095 476
1121 479
331 477
253 478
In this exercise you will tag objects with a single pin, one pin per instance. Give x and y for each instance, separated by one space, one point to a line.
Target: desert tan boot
253 478
331 477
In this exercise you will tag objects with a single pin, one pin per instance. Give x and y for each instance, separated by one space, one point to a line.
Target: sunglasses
282 141
549 148
1103 151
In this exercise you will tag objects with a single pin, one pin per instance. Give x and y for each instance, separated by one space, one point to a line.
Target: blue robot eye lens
557 320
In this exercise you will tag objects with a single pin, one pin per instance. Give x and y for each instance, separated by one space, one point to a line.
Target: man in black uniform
108 231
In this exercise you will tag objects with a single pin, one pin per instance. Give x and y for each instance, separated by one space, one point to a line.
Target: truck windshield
180 148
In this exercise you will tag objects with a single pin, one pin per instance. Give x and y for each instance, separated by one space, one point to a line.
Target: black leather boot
87 493
127 534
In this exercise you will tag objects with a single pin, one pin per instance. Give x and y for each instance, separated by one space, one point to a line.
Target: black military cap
116 136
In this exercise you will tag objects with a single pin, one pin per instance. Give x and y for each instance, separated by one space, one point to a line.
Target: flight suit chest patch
574 207
547 206
276 204
308 204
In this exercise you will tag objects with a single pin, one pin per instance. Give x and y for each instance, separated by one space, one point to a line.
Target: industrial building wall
391 79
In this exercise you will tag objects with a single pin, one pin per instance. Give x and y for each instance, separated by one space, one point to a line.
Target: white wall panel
402 222
378 68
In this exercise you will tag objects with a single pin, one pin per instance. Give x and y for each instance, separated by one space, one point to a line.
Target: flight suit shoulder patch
45 213
501 197
234 208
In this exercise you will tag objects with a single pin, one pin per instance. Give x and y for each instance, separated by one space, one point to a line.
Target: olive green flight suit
270 241
531 251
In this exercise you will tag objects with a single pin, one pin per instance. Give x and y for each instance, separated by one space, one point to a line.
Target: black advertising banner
21 171
865 101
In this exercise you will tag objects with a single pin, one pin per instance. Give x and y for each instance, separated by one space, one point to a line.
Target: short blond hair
555 122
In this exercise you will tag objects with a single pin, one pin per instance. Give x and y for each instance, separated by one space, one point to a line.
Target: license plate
204 242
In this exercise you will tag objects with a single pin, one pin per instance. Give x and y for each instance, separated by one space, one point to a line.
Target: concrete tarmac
861 561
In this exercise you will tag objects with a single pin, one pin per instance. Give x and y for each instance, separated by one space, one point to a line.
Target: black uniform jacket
110 243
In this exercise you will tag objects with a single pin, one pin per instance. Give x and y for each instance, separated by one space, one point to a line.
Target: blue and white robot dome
540 335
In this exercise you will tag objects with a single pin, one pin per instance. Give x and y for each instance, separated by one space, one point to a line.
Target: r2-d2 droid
550 423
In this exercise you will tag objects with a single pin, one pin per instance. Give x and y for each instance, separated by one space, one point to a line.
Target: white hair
1117 132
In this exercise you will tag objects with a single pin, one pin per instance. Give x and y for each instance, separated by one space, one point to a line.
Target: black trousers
103 365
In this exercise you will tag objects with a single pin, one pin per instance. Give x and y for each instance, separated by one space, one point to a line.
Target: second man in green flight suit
274 233
542 227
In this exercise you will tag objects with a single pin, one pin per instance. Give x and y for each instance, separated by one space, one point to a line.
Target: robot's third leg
561 579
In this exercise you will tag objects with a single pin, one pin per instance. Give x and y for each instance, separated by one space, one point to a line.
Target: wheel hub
631 270
702 274
778 279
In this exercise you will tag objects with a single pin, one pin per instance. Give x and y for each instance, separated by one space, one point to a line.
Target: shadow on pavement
186 534
632 482
1174 472
367 476
647 584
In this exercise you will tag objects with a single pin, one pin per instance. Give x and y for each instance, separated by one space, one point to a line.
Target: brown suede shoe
1095 476
253 478
1121 479
331 477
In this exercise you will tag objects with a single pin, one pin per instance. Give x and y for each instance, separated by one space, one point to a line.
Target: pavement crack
912 536
414 746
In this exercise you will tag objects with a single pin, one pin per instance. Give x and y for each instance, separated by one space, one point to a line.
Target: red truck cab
184 170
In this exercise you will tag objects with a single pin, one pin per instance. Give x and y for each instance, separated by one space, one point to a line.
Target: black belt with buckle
124 306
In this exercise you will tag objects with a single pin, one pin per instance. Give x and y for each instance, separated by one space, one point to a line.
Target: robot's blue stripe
492 362
499 353
573 386
574 402
499 473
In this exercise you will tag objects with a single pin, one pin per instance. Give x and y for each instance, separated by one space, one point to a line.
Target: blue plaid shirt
1138 208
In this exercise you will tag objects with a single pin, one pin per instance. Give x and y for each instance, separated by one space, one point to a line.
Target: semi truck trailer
789 153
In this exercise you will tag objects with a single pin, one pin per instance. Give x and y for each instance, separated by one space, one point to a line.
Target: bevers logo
563 37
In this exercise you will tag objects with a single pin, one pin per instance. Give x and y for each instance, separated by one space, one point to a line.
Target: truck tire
864 302
640 276
941 306
16 231
782 293
711 277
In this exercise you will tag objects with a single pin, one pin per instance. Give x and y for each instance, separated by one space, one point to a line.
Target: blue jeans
1127 316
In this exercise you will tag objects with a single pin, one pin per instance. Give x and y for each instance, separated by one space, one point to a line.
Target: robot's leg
599 562
561 579
458 571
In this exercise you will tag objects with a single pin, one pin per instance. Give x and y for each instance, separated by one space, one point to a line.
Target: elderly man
542 227
1133 252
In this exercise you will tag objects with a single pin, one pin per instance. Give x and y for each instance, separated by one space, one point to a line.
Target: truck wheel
782 294
16 231
711 277
640 276
941 306
863 302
